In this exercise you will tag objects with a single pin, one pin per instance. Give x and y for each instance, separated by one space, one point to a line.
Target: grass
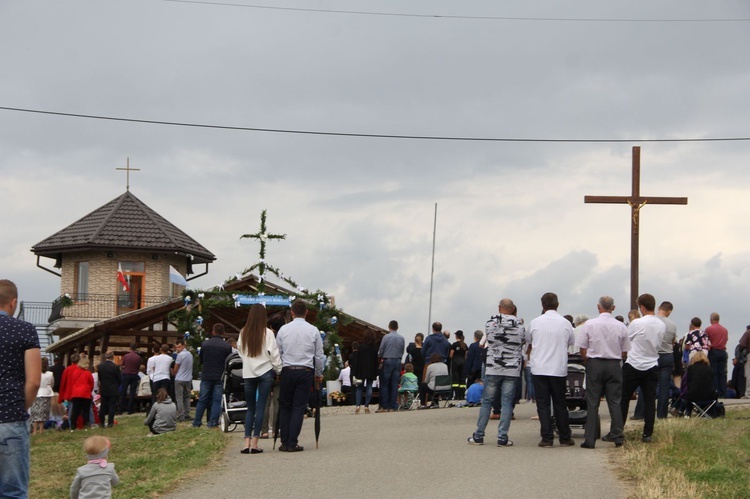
693 458
146 466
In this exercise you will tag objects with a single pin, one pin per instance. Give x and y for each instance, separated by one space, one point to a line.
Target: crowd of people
281 362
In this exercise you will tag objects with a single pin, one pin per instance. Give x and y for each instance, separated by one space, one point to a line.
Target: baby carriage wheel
225 424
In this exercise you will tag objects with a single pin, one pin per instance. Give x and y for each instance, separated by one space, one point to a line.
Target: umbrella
276 425
316 396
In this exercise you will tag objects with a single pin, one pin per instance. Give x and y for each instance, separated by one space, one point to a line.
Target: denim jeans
718 360
211 392
14 459
128 391
666 366
256 407
368 395
389 383
529 384
507 386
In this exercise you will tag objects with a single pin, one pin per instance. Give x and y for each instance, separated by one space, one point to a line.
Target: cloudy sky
358 211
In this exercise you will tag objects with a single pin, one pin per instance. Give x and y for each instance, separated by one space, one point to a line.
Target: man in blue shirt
391 351
301 351
20 377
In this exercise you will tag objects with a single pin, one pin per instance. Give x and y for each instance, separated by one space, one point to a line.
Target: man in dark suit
109 387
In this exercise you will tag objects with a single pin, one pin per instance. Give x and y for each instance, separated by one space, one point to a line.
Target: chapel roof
125 223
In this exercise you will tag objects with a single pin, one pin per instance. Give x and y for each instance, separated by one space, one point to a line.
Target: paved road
412 454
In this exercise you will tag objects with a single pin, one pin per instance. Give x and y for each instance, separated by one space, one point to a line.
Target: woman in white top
261 364
41 406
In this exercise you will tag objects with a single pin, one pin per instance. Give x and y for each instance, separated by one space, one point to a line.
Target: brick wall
103 273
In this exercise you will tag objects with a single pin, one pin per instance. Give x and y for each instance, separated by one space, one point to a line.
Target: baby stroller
575 394
233 405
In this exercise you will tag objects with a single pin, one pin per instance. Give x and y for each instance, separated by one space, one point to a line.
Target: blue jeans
211 391
507 386
666 366
256 408
718 360
14 459
529 384
368 394
128 391
389 383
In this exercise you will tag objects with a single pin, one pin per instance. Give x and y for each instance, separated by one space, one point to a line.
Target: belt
304 368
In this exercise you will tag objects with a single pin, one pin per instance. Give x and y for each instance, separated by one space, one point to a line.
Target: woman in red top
82 384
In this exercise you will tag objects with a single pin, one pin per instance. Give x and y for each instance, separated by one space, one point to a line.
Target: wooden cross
636 202
128 170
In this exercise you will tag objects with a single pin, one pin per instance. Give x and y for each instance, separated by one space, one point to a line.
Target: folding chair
443 389
703 408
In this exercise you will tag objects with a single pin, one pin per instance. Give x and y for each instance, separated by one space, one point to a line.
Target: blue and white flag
176 278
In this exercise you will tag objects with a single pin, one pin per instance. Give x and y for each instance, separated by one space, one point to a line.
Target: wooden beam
226 322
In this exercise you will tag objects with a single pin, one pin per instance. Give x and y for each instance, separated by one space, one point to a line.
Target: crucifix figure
636 202
127 175
262 236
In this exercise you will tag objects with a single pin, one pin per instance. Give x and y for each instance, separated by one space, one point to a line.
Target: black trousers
552 388
81 407
646 380
128 390
294 394
108 408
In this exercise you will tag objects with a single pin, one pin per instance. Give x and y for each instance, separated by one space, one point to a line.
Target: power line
364 135
482 18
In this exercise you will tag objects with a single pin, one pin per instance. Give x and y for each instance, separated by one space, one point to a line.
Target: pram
233 404
575 394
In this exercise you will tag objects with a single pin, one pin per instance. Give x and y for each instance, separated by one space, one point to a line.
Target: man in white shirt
641 369
160 371
345 378
603 342
550 336
301 350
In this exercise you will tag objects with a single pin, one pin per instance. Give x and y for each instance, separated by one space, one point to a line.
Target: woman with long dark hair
415 357
364 364
261 364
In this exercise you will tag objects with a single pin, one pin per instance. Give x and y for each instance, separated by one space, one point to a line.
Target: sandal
264 435
246 450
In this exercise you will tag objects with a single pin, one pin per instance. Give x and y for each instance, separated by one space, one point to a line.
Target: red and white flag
121 278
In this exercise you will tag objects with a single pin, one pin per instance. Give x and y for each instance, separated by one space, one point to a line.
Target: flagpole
432 272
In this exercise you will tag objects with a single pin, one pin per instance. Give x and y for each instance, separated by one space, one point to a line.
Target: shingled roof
125 223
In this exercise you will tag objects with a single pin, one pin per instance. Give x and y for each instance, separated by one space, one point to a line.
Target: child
96 478
474 393
163 415
408 383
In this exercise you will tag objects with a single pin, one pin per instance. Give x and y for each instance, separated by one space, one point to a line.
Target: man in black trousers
301 350
109 389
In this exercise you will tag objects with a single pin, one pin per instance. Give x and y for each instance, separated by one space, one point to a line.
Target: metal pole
432 272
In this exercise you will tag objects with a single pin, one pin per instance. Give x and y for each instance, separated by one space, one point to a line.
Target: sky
358 212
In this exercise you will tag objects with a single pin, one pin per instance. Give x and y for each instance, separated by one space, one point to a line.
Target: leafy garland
199 303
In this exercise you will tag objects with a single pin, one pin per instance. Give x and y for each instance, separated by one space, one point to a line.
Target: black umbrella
276 425
316 395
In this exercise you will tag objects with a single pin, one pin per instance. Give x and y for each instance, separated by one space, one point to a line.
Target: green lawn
147 466
692 458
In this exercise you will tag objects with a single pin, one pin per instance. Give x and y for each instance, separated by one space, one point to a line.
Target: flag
176 278
121 278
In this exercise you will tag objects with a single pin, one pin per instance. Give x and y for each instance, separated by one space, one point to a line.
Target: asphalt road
413 454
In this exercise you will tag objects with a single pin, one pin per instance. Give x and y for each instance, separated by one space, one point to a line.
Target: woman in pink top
261 364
